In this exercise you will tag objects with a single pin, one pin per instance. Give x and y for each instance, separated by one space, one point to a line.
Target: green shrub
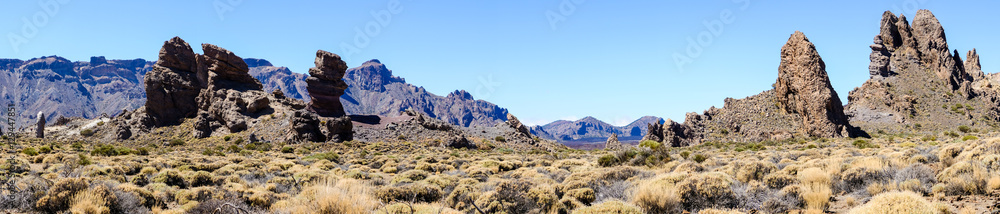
30 151
227 138
863 144
142 151
700 158
238 141
45 149
287 149
176 142
928 138
77 146
650 144
607 160
330 156
685 154
83 160
104 150
951 134
499 139
811 146
234 149
212 151
87 132
969 137
964 129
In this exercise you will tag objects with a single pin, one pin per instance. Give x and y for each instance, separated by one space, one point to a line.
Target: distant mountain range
591 130
57 87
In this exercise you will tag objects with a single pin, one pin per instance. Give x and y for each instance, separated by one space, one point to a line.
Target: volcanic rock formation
803 88
802 104
918 84
613 143
325 84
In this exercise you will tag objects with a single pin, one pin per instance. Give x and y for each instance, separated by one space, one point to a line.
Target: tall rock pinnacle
325 84
803 87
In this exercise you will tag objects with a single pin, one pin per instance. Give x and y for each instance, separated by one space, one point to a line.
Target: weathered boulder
325 84
340 129
305 127
804 88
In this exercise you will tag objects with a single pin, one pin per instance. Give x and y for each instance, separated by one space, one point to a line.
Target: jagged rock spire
804 88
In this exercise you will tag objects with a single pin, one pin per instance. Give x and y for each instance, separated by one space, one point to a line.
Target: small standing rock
40 130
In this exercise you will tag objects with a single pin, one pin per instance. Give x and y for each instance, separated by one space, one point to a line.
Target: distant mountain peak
372 61
253 62
460 94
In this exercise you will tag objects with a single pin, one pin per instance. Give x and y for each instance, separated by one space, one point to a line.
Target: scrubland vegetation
884 174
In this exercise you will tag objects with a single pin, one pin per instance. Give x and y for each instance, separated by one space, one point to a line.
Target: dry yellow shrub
994 183
815 188
89 202
720 211
347 196
611 206
896 202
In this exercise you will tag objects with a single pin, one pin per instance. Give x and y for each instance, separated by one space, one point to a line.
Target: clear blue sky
609 59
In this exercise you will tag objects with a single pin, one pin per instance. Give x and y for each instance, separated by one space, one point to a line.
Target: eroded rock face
933 47
804 88
173 85
325 84
215 89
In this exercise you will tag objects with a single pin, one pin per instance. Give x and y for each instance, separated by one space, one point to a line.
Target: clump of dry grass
711 189
61 193
610 206
814 184
896 202
658 195
89 202
963 178
346 196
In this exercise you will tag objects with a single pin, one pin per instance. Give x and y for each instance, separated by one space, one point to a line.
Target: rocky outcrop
516 124
803 104
914 74
173 84
40 126
341 129
325 84
655 132
305 127
612 143
803 88
972 66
